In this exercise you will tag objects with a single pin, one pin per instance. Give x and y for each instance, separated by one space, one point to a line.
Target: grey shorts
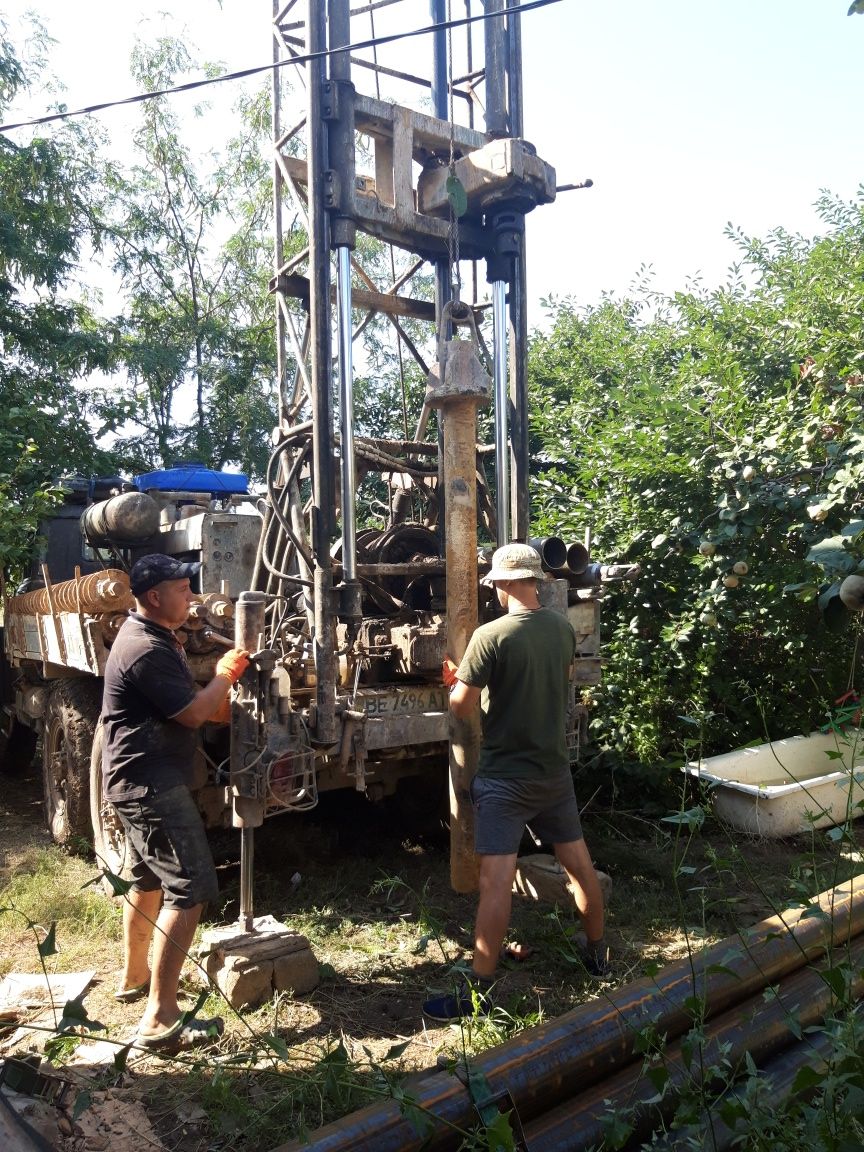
167 847
502 808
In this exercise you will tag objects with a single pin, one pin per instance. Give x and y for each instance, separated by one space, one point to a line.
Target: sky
687 115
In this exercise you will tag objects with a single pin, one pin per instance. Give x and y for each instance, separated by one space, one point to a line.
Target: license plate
403 701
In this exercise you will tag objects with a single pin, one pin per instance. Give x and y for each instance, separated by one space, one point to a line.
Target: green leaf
82 1102
395 1051
276 1044
48 946
837 980
499 1134
806 1079
119 886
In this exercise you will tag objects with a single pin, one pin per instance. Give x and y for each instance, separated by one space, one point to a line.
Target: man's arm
205 704
464 699
207 700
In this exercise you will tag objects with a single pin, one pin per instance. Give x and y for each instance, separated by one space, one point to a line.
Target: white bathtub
788 786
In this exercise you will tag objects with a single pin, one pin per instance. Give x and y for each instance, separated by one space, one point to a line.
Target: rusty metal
106 591
246 721
458 390
132 516
760 1027
553 1061
778 1081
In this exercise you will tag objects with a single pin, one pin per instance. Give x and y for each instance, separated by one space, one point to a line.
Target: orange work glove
233 664
222 715
448 672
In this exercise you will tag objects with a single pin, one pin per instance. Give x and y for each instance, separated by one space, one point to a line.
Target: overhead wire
306 58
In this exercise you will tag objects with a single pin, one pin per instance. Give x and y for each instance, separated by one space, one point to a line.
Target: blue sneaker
471 999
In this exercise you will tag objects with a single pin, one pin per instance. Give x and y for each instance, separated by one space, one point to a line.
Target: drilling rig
364 615
387 487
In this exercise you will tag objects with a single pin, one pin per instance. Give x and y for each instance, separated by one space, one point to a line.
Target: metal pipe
552 1061
577 558
278 238
502 403
438 15
443 286
777 1079
463 387
346 415
246 794
495 39
323 645
552 549
757 1027
519 453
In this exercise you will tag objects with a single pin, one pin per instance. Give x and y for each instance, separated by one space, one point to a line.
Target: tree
49 342
720 447
193 251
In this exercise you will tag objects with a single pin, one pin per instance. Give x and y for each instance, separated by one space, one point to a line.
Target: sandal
183 1034
130 995
518 952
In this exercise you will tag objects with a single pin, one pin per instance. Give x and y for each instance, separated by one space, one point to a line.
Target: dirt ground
374 900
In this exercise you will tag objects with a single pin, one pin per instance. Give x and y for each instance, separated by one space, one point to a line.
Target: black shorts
167 847
503 807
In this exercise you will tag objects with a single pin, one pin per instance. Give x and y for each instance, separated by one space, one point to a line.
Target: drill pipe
777 1080
106 591
555 1060
462 389
755 1026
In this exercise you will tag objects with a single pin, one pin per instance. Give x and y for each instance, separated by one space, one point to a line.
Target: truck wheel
109 837
70 721
17 749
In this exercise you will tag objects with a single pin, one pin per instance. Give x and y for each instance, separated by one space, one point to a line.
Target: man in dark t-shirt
151 708
518 669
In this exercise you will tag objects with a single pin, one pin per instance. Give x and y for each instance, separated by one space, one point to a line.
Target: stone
248 967
541 877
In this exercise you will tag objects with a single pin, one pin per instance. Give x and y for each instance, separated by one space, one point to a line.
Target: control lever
265 658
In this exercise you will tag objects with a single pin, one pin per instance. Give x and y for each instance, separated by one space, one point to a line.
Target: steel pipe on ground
549 1063
777 1084
758 1026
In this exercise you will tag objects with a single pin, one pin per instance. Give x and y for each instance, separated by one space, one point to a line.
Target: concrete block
541 877
248 967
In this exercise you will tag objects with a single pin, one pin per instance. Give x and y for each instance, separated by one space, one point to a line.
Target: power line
374 42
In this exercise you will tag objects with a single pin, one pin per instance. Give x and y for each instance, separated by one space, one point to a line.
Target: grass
387 929
49 887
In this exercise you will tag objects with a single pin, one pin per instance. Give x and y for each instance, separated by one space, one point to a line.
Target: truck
349 612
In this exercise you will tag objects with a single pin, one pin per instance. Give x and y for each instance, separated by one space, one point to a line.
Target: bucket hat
515 562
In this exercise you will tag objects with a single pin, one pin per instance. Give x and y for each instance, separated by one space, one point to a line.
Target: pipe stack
564 1071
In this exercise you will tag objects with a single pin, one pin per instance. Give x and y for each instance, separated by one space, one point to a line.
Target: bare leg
574 858
140 910
175 930
493 911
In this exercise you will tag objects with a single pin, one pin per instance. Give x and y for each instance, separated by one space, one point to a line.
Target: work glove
222 715
448 672
233 664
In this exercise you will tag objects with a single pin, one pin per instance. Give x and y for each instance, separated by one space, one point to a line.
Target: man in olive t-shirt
518 668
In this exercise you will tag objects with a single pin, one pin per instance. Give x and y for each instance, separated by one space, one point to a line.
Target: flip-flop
130 995
183 1034
517 952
